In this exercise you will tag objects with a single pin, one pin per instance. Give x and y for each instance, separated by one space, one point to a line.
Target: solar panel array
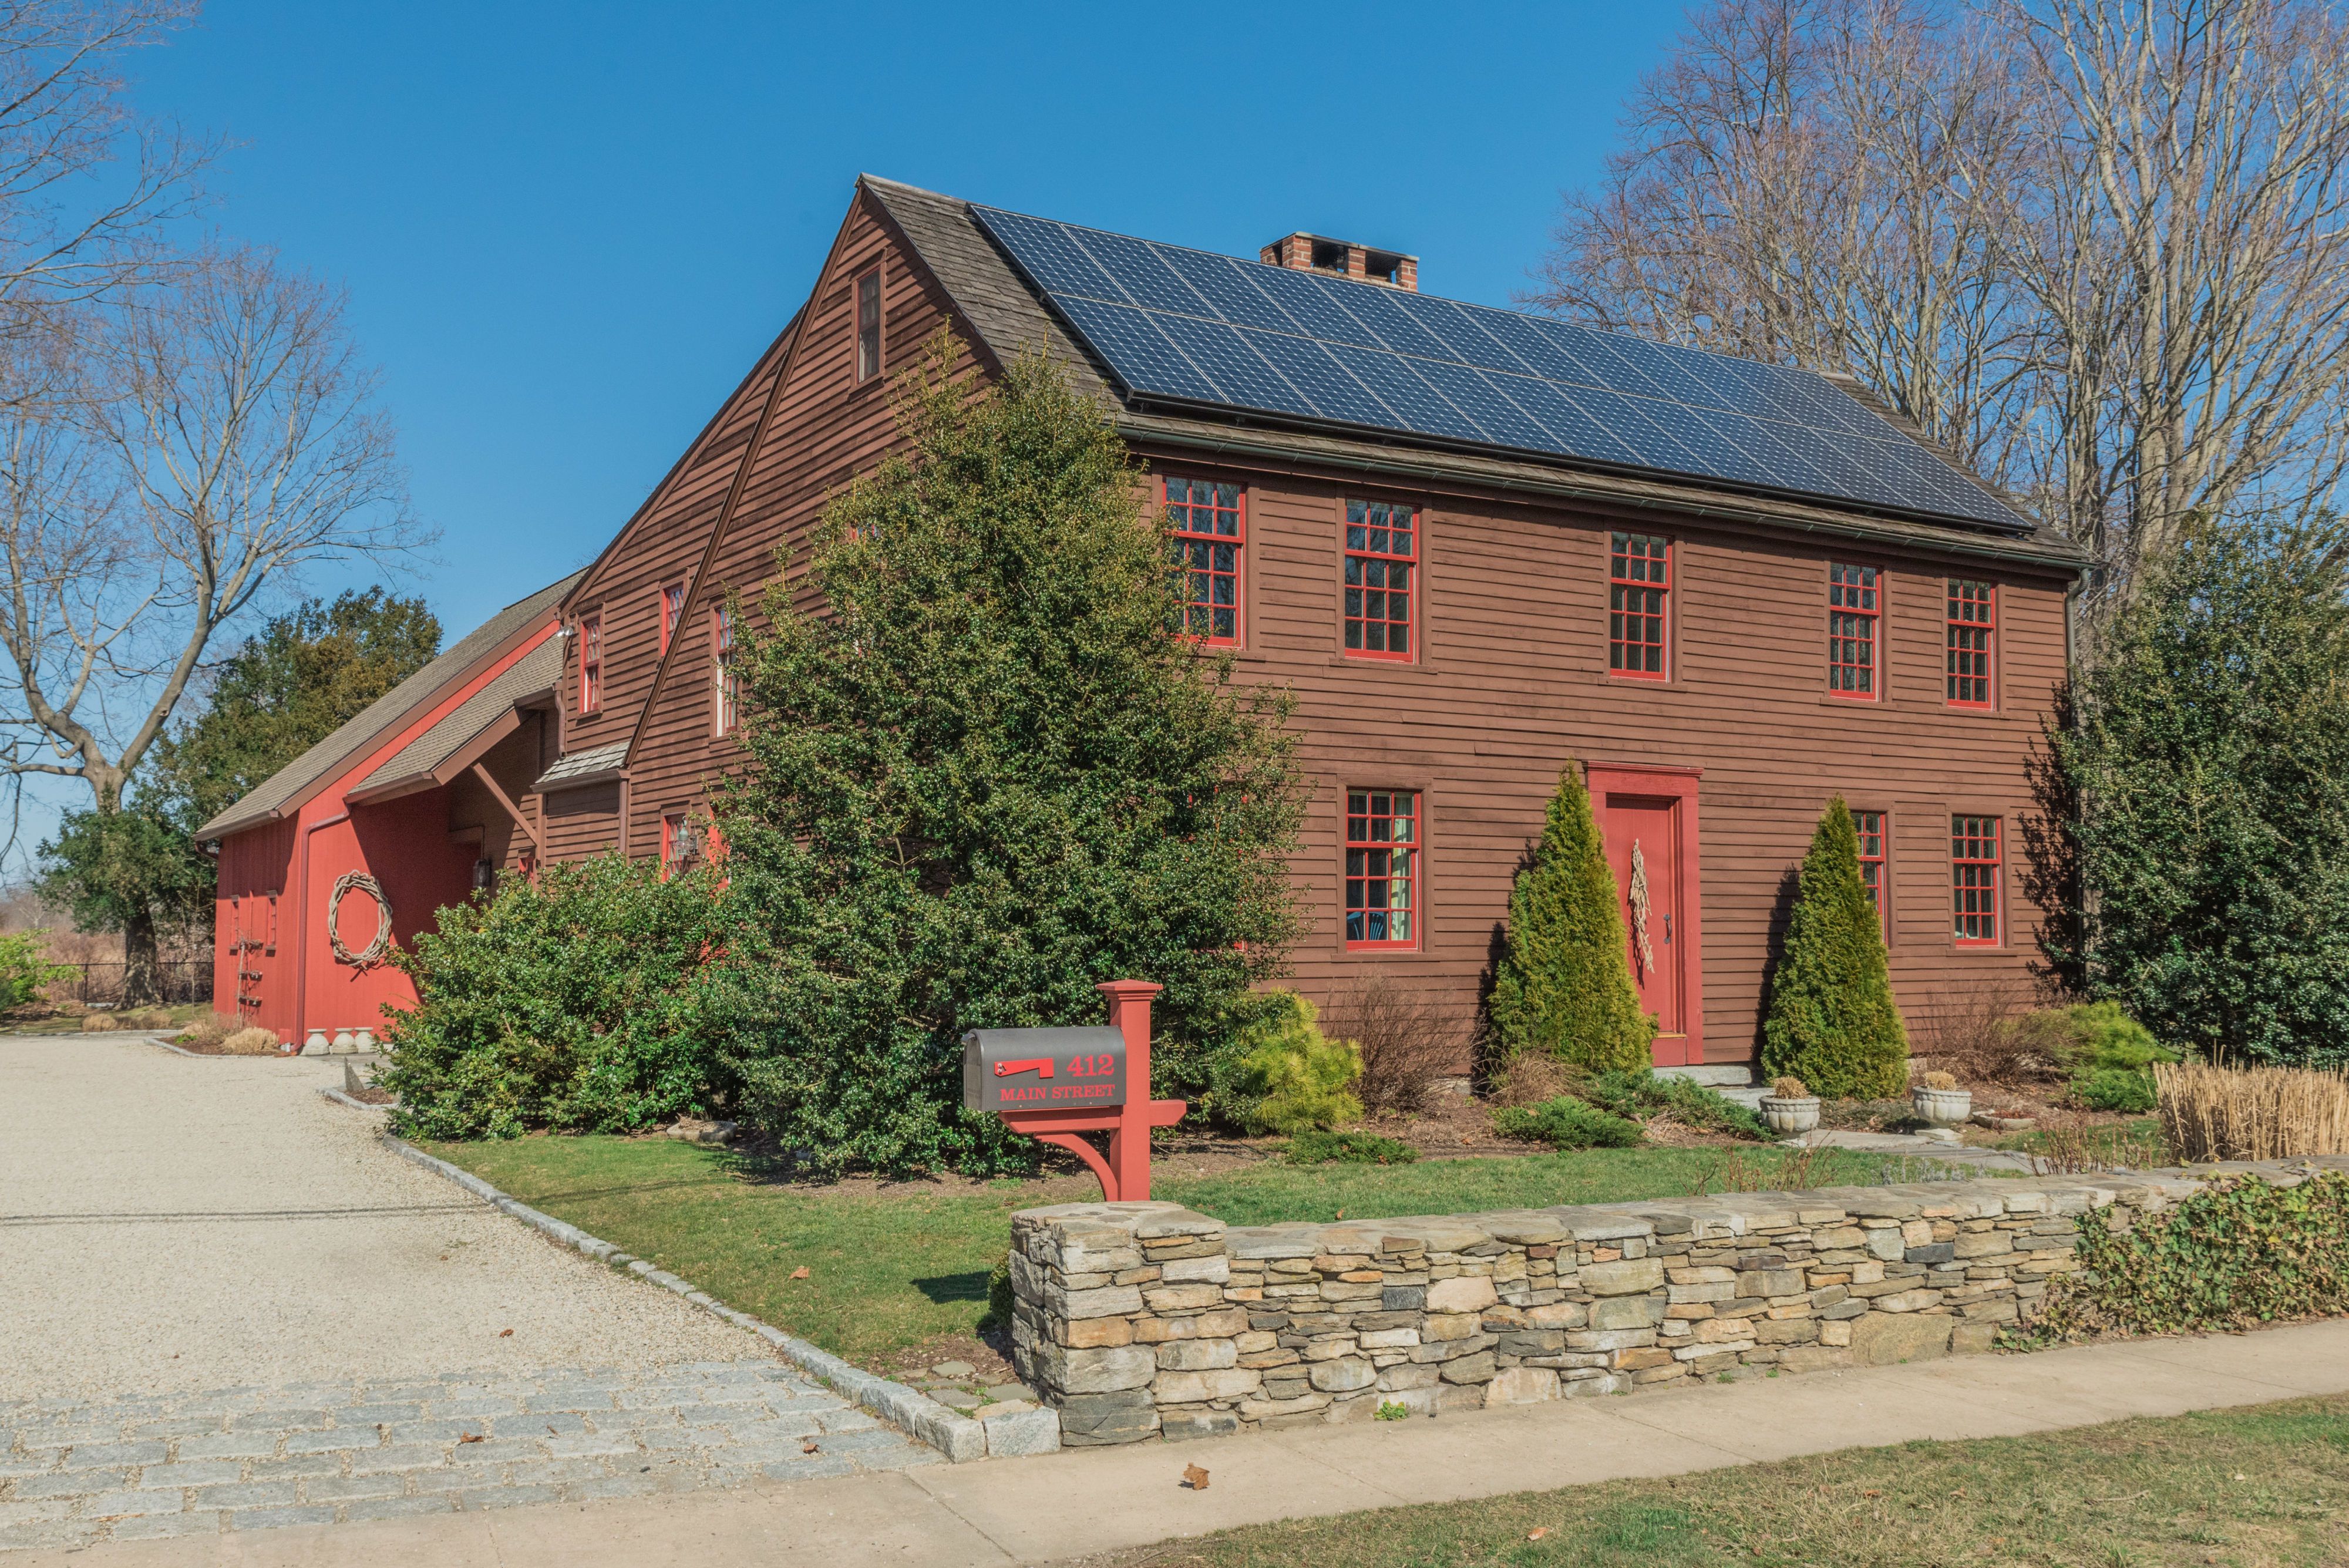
1194 327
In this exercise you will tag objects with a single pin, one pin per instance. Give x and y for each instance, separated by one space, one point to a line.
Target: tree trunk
141 981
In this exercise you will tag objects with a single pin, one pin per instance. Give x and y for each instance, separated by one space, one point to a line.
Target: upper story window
1639 604
1869 826
1974 881
1855 613
1206 529
868 326
672 608
729 681
1973 623
1382 559
591 663
1381 867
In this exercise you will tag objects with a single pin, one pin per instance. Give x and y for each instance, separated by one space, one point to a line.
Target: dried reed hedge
2254 1113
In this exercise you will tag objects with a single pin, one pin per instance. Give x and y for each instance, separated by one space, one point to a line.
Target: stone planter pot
1790 1116
1942 1107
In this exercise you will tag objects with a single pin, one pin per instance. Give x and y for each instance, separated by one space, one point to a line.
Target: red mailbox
1056 1085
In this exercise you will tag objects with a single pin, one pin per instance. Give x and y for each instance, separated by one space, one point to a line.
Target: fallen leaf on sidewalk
505 1333
472 1437
1194 1478
809 1447
801 1272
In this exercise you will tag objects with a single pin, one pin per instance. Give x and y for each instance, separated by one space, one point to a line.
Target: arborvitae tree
983 774
1832 1021
1563 984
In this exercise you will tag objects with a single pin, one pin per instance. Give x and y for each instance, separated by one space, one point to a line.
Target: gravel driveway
206 1261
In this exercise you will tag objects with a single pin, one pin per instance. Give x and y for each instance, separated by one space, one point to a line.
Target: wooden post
1129 1142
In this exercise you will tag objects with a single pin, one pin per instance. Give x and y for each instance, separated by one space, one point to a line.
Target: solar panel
1191 326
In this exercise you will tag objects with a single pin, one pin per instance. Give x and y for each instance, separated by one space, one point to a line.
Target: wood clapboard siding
1509 685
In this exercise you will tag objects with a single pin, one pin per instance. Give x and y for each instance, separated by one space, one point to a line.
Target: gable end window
672 608
1974 881
728 682
868 326
1974 608
591 663
1639 604
1206 529
1855 611
1382 559
1382 868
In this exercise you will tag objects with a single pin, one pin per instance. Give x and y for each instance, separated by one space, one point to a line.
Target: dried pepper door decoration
1640 911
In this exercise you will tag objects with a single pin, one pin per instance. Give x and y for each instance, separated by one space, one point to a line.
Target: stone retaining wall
1146 1319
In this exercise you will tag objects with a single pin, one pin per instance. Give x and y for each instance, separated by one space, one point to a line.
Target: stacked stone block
1138 1320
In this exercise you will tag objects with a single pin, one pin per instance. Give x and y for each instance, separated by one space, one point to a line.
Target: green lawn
889 1270
2265 1486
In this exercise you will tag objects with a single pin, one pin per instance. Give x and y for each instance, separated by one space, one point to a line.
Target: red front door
1643 847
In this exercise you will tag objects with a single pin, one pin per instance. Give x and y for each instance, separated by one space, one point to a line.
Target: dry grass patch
2251 1113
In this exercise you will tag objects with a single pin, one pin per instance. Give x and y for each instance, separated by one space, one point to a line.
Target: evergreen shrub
981 775
1692 1104
1831 1020
578 1003
1562 985
1290 1078
1566 1123
2128 1089
1319 1148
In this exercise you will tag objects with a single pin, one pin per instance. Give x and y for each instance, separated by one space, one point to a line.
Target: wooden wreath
375 952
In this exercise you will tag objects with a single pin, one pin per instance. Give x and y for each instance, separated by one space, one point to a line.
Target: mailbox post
1056 1085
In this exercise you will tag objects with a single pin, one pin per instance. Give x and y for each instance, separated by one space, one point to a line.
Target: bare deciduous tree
2095 246
195 442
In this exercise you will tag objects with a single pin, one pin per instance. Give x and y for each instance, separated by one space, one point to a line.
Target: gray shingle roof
290 786
584 767
998 310
534 674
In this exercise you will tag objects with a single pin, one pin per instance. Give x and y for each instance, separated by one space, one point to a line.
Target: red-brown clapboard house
1480 548
408 808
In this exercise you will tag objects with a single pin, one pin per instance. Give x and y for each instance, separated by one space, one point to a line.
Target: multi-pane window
1639 595
1204 532
1869 826
1973 880
868 324
729 680
1972 624
591 663
1381 867
672 606
1855 609
1381 555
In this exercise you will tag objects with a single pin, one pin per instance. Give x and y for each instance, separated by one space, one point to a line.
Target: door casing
1636 781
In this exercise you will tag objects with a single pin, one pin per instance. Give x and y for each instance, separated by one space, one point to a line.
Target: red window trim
1619 583
591 663
1414 876
868 367
1986 623
1354 624
1187 536
669 609
1969 831
1865 618
725 690
1879 890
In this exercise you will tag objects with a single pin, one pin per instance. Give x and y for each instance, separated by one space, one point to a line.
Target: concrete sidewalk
1091 1500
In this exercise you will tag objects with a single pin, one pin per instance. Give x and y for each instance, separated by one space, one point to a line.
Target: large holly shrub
1831 1020
579 1002
1562 985
984 775
2206 787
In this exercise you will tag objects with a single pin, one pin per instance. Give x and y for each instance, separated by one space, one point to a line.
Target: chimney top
1301 251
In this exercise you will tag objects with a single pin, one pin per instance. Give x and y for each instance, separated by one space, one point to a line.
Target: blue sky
567 229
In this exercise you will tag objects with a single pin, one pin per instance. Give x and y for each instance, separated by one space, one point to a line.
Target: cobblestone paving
320 1453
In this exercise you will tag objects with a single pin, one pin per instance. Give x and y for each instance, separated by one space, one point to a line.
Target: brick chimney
1342 258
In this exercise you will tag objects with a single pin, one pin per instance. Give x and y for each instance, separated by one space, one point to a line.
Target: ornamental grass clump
1831 1020
1563 983
2254 1113
2239 1253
